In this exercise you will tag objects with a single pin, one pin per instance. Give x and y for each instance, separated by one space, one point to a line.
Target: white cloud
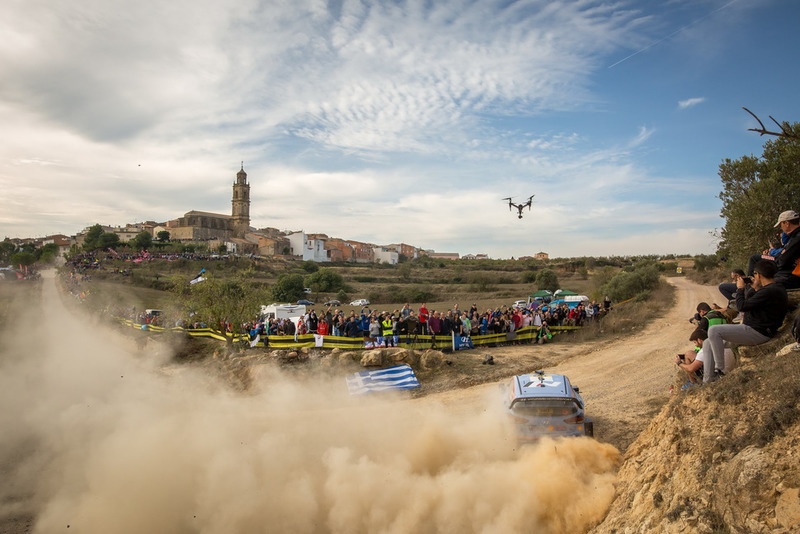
690 102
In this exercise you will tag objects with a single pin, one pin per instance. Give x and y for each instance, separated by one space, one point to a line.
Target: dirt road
624 382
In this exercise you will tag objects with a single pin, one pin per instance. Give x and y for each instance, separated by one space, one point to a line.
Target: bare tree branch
785 132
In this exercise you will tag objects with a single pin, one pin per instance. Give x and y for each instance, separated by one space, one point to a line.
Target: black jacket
786 260
764 309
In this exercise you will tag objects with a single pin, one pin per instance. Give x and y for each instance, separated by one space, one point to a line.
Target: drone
520 207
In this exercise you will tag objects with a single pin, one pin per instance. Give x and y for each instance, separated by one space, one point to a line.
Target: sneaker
689 384
718 373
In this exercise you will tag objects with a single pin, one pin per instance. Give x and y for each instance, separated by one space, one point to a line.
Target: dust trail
98 439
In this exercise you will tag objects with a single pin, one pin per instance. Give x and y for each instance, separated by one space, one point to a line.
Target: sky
391 122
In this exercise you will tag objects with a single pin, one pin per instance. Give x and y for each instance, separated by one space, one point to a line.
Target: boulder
787 510
345 356
397 356
431 359
372 358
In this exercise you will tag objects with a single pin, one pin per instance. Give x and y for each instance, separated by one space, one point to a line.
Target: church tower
241 204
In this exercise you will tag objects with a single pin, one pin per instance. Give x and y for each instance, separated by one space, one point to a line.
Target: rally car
542 404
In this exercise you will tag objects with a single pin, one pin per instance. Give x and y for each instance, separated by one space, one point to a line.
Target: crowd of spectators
388 328
757 304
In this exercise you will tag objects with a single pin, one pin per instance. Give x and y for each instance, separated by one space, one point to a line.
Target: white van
283 311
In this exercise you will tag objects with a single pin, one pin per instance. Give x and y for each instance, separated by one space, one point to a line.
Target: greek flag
398 377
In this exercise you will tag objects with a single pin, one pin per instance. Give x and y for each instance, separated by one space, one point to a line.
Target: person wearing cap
764 305
788 274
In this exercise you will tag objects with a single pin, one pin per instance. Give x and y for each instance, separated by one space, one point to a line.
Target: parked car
305 302
333 303
542 404
520 303
307 290
360 302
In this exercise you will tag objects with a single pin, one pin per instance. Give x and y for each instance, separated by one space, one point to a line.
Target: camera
747 280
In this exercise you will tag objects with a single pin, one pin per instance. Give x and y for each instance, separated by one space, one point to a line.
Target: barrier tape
418 341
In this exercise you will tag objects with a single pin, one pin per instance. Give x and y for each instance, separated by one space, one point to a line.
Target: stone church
205 226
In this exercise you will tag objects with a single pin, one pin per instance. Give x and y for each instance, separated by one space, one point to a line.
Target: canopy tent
561 293
541 293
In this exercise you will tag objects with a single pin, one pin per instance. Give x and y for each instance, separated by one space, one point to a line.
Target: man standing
423 318
764 310
786 261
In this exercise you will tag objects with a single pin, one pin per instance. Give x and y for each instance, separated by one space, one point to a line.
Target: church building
205 226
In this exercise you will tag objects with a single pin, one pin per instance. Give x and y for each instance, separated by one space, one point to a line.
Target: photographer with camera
692 360
764 304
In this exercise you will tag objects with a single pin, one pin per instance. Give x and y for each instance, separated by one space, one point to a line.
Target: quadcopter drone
520 207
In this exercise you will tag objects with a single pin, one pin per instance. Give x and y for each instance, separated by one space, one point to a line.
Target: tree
143 240
22 258
92 237
7 248
223 305
547 279
288 288
48 253
754 192
108 240
163 236
325 281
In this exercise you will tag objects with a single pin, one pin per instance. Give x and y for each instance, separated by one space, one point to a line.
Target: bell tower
240 212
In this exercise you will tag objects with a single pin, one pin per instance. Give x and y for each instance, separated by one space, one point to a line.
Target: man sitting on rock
764 309
786 261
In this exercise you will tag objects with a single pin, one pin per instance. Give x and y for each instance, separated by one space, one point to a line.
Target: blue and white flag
462 342
199 277
391 378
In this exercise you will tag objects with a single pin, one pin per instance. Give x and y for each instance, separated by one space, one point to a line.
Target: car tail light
574 419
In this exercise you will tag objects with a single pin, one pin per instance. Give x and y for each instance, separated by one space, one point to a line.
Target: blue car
305 302
542 404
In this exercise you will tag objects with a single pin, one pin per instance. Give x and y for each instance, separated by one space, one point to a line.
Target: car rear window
545 407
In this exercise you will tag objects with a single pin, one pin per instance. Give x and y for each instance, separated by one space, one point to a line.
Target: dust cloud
96 437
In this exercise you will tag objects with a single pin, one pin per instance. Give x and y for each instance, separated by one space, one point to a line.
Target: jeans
727 289
714 347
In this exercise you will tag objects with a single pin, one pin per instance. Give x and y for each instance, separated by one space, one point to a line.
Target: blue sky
393 122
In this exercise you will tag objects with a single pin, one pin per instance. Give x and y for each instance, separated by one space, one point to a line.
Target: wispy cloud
689 102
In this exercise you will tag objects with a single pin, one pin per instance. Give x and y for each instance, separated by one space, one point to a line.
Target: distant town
232 234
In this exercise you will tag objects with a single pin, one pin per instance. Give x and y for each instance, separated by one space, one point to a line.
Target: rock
346 356
396 355
372 358
787 510
740 481
431 359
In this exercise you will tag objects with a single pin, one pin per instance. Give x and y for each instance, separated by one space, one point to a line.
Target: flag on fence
462 342
398 377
